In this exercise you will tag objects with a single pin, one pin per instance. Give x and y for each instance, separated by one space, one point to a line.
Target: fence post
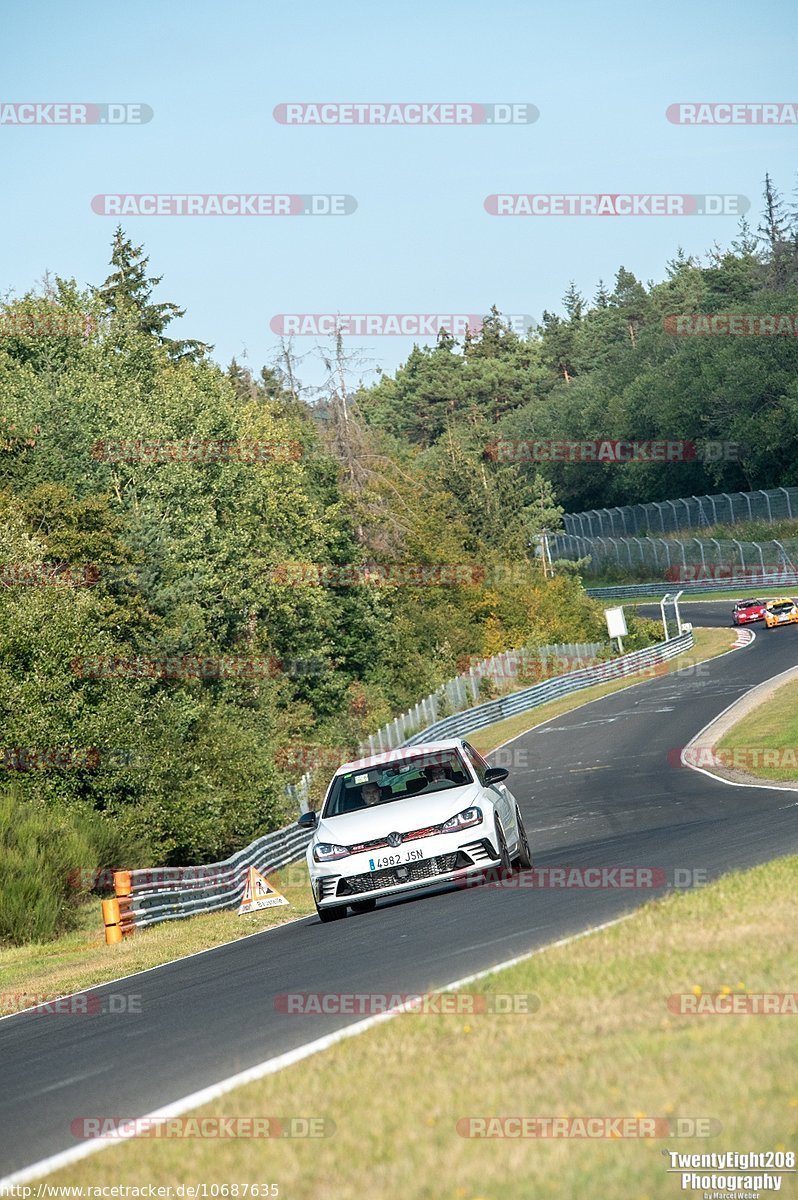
789 506
770 510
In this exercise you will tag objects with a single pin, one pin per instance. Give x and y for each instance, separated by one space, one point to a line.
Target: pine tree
602 296
774 225
573 302
126 295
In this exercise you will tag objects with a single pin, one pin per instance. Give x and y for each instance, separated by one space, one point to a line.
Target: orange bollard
123 887
122 883
111 920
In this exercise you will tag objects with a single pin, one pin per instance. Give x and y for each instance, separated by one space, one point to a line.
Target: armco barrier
747 586
552 689
169 893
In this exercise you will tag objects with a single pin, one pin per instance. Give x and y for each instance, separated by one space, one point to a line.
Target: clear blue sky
602 76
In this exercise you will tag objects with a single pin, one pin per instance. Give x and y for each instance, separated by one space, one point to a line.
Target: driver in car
370 793
435 772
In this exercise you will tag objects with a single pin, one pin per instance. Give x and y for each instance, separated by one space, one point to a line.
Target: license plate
394 860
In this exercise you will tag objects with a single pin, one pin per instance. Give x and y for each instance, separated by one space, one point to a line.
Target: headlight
463 820
326 852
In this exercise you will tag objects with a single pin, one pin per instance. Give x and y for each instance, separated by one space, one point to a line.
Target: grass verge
81 959
603 1042
772 727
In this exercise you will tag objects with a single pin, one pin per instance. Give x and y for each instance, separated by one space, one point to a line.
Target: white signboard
616 622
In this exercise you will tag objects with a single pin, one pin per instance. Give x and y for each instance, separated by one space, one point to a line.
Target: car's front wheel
501 845
331 914
524 857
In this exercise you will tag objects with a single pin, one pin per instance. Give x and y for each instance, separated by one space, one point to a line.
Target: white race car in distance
407 819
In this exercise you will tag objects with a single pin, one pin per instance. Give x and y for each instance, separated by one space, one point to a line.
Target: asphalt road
596 788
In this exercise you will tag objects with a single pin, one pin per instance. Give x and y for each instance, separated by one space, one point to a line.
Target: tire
331 914
523 860
363 906
501 846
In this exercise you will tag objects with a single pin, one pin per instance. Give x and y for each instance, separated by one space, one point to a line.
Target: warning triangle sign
259 893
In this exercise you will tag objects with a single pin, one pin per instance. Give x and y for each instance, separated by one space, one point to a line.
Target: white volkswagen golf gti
407 819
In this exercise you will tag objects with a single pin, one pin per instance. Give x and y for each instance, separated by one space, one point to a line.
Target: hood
397 816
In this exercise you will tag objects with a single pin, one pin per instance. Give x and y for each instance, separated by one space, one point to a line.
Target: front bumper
442 863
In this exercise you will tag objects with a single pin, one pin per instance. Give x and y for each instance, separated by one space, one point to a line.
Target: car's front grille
415 872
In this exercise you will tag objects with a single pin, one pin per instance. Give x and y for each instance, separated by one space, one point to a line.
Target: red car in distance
746 611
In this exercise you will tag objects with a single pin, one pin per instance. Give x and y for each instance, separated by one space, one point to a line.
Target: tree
126 296
573 302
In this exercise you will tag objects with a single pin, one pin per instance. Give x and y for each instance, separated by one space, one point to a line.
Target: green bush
49 860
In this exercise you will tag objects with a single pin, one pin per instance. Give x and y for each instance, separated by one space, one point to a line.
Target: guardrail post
112 922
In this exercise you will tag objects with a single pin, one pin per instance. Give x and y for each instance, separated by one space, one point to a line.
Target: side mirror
308 820
495 775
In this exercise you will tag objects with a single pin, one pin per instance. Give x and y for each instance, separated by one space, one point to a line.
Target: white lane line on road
53 1087
271 1066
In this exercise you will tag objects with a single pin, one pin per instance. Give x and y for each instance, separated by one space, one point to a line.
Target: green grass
81 959
773 726
603 1042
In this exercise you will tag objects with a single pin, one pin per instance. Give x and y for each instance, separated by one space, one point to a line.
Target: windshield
396 780
748 604
785 606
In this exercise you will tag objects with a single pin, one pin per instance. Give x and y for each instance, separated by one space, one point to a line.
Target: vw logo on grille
394 839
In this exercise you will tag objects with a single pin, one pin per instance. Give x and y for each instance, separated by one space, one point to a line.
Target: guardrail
552 689
747 586
170 893
152 895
